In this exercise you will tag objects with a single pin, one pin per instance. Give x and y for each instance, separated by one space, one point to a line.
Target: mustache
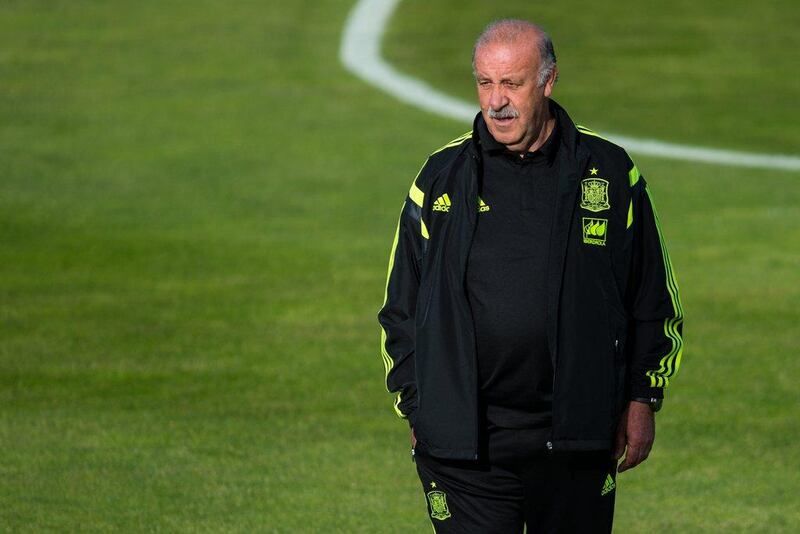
506 112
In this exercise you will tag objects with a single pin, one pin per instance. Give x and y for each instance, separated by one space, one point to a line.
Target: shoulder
441 158
613 156
600 145
436 162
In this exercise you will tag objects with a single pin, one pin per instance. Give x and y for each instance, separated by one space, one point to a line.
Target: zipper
552 413
475 416
552 403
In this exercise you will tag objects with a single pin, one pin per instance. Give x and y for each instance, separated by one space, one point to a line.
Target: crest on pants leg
437 499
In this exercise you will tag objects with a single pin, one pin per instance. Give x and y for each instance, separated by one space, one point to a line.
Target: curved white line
360 52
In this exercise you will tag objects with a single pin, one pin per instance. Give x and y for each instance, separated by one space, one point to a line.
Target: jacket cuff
646 392
412 417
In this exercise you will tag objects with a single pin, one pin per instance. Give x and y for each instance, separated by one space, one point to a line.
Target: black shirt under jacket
506 282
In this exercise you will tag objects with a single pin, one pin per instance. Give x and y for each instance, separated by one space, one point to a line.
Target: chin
497 132
507 138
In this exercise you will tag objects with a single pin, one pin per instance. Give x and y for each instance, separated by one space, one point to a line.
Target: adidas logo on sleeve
442 203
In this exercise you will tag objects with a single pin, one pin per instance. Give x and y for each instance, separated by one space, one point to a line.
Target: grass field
196 208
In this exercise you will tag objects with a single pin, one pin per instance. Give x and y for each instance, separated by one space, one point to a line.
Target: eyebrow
518 79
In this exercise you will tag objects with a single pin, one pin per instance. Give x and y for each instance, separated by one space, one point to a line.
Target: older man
531 319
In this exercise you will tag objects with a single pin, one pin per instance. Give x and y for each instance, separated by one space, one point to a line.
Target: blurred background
197 203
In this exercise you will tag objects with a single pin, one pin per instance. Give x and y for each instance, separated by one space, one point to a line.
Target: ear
551 81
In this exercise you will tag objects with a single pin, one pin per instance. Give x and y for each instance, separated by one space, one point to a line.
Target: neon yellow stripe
670 363
423 229
630 214
416 194
446 199
455 142
633 175
587 131
400 414
388 362
671 325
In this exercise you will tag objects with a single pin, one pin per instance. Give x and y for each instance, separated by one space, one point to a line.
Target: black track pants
520 483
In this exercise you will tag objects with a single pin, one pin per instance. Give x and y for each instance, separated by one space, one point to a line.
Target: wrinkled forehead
506 58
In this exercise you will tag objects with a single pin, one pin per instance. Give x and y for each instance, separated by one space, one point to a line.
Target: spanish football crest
594 194
438 501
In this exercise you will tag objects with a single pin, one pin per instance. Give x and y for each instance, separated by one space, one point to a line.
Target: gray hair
508 31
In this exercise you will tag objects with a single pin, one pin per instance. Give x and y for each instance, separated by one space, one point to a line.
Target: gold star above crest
433 484
593 170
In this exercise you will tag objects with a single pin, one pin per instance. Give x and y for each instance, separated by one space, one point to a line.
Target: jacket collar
568 142
489 145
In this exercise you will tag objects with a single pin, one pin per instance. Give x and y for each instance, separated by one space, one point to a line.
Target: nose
498 98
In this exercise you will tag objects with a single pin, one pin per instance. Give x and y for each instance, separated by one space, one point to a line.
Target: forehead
519 57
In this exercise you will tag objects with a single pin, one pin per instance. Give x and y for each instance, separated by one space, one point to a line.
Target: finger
646 448
631 459
624 466
619 443
643 448
638 459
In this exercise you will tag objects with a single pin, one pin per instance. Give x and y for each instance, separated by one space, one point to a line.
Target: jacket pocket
617 335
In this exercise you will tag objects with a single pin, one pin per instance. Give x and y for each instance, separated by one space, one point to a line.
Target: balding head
520 33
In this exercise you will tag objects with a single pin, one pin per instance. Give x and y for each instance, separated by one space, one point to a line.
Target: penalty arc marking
360 52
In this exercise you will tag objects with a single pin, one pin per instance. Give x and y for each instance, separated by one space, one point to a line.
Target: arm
396 316
656 306
657 343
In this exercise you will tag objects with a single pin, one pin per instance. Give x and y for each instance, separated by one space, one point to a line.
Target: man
531 319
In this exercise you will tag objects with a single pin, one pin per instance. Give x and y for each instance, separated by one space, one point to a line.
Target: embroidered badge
595 231
438 501
594 194
442 203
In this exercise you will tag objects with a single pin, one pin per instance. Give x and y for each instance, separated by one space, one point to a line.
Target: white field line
360 52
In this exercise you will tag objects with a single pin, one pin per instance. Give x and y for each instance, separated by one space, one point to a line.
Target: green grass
196 207
714 74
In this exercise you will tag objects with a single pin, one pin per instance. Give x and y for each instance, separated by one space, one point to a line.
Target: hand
636 430
413 439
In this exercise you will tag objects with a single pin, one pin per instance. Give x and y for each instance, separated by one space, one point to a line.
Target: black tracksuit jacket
614 316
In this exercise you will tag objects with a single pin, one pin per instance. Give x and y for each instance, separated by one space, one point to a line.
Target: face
512 104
